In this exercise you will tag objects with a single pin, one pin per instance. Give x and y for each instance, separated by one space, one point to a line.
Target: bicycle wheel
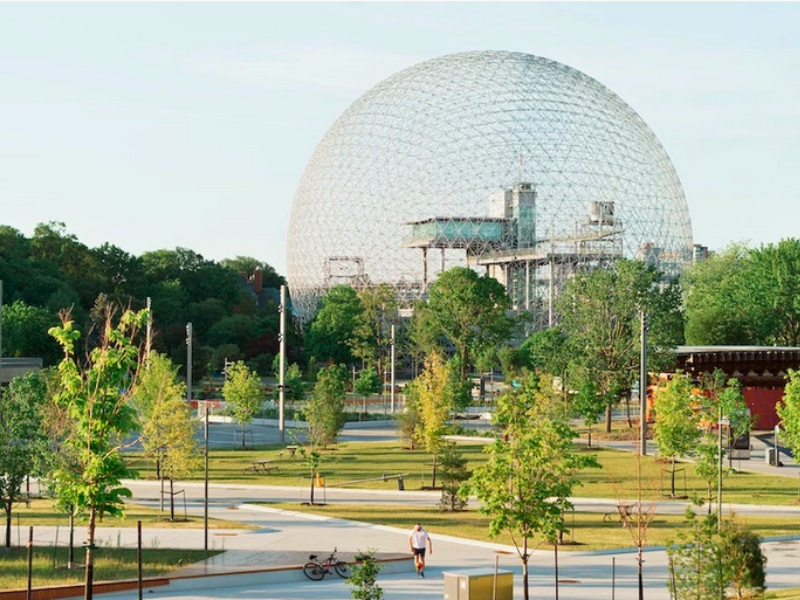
342 569
313 571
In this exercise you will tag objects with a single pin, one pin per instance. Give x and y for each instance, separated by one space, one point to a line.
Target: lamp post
282 368
643 386
205 478
777 431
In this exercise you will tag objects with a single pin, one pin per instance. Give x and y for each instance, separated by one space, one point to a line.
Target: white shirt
419 539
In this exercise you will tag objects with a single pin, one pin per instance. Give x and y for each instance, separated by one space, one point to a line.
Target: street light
777 431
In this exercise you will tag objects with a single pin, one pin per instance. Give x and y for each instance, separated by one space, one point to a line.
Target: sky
189 124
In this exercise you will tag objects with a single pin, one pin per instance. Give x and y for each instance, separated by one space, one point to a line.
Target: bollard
400 485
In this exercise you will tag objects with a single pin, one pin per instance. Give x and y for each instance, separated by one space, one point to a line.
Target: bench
622 514
261 466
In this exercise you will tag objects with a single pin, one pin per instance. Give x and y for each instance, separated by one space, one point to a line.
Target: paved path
284 537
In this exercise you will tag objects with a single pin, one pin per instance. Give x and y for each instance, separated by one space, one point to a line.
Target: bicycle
316 569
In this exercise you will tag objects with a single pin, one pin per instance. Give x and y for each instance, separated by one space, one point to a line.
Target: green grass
787 594
588 532
110 564
356 461
41 512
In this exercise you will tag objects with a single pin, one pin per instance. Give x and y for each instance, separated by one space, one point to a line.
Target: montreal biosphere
511 164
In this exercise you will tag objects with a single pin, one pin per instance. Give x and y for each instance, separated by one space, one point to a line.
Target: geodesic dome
501 161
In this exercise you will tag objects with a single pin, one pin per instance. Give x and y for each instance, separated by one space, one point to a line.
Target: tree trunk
243 445
71 550
628 410
313 478
608 418
88 589
525 557
672 480
433 483
7 508
590 438
171 500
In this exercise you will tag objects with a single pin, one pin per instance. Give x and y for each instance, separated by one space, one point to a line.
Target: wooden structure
760 369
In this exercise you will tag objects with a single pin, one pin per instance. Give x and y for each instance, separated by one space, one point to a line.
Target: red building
760 369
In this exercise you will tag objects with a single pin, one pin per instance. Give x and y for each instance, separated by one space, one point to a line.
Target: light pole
643 386
282 367
189 362
393 357
205 477
777 431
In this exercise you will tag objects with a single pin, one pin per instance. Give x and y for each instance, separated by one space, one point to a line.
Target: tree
368 382
776 275
324 412
587 404
372 331
711 558
167 430
466 310
409 422
21 439
525 484
789 411
725 303
601 319
453 473
364 578
96 393
25 332
676 430
331 331
434 407
243 392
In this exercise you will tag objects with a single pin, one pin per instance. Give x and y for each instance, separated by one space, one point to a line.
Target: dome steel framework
501 161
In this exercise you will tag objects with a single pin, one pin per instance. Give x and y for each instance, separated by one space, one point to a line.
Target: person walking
419 541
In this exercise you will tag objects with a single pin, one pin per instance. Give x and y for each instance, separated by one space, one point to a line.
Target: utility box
479 584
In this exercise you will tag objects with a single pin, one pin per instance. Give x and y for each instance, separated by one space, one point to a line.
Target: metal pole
613 575
188 361
205 479
393 357
139 555
149 329
719 466
777 430
643 387
282 368
30 563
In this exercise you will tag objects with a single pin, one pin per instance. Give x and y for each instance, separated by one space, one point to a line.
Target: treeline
53 271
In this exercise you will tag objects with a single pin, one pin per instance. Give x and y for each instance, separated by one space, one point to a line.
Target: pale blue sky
153 125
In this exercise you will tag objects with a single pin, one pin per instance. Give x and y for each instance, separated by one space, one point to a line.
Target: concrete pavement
265 561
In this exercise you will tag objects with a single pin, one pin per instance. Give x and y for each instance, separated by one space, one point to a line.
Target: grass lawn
41 512
588 531
357 461
110 563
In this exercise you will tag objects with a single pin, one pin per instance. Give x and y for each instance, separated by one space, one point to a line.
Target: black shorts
418 552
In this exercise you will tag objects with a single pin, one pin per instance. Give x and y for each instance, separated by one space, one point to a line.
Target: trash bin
771 457
400 485
478 584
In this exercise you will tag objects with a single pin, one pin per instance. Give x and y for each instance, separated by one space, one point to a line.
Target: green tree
711 558
453 473
601 319
21 439
368 382
677 430
364 578
96 393
243 392
466 310
372 332
587 404
167 429
725 303
25 332
332 330
789 411
525 484
324 412
776 275
434 407
409 421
